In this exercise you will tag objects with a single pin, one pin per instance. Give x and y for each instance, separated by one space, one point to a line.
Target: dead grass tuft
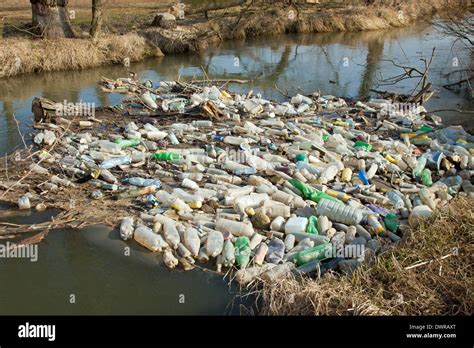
19 56
440 287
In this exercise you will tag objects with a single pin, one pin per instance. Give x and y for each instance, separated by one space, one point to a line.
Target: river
86 271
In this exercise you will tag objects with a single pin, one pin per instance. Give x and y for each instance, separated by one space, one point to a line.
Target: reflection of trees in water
9 134
374 55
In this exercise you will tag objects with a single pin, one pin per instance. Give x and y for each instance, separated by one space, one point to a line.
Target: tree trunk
214 5
51 18
96 18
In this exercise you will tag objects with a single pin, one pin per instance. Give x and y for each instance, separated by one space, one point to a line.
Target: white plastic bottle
192 241
145 236
236 228
171 235
126 228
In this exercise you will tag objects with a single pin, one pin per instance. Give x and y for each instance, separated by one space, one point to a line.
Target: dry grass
442 287
19 56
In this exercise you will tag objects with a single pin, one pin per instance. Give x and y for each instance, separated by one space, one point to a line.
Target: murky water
90 264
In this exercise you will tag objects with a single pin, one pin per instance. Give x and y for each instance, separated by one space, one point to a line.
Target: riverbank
429 274
20 55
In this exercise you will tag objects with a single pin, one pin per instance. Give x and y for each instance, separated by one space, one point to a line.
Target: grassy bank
394 284
127 34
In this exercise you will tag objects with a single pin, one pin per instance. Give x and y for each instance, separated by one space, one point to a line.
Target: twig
19 131
427 262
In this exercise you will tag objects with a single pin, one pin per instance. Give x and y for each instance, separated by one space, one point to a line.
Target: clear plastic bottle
396 199
24 203
339 212
420 165
214 243
115 161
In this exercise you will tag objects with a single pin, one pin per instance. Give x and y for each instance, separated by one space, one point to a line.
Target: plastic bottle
244 171
145 236
420 165
319 252
167 156
346 175
192 241
242 251
190 184
344 197
126 228
59 181
115 161
418 214
289 241
276 250
24 203
426 177
427 197
127 142
235 227
273 209
372 171
228 253
328 174
312 226
169 260
278 223
109 147
311 193
171 235
396 199
277 272
391 222
374 224
339 212
296 224
260 254
214 243
141 182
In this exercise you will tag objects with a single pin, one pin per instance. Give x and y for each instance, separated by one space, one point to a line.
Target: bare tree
51 18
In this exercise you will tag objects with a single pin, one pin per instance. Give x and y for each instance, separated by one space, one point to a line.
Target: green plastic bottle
242 251
311 193
426 177
167 156
301 157
127 142
312 226
391 222
319 252
363 144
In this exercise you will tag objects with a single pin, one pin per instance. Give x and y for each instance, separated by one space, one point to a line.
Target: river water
86 271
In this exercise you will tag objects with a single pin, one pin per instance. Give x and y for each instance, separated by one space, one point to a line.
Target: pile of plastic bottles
303 186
